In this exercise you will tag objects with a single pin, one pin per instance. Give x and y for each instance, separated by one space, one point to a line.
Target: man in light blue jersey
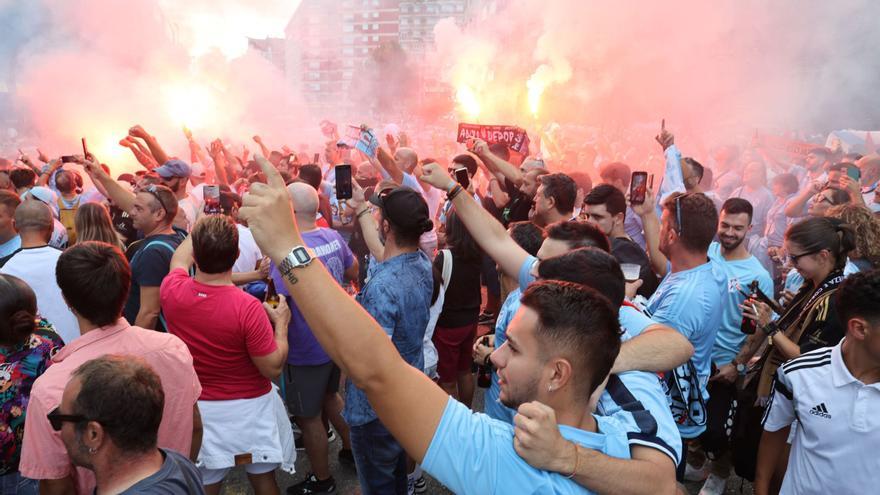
688 299
729 355
563 237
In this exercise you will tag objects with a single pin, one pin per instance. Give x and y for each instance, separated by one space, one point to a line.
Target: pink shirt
224 327
43 455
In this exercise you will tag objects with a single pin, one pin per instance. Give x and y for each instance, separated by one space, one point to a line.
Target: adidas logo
820 411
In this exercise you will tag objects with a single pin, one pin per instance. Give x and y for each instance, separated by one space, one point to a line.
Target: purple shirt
331 249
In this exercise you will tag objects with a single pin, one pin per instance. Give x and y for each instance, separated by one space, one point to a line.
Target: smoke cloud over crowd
708 65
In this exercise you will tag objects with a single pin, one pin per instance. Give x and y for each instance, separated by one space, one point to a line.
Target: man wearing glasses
123 454
152 209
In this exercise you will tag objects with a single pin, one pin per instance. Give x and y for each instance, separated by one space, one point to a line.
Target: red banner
514 137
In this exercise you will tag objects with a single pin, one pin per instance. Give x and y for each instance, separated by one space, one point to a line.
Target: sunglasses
792 259
57 420
154 191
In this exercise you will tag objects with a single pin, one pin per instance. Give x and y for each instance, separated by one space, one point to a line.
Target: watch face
301 255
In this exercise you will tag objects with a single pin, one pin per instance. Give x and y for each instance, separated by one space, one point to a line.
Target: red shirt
223 327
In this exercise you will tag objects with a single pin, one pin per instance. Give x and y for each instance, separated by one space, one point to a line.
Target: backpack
428 348
67 216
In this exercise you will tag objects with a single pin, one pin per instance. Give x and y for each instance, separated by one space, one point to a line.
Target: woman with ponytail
817 247
26 346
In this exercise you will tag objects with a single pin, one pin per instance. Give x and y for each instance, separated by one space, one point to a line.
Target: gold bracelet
576 461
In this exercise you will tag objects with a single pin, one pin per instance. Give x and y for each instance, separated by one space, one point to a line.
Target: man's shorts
307 386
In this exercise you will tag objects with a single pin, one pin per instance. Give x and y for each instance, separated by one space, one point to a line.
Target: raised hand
435 175
269 213
665 138
138 132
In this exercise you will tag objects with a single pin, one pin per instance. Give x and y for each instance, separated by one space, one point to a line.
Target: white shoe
714 485
695 474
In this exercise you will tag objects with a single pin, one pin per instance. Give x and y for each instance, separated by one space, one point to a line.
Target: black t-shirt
627 251
461 303
150 260
518 205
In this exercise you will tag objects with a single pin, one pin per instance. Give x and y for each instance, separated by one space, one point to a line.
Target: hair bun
22 323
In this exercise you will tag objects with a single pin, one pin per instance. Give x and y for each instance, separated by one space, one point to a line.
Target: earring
92 450
549 388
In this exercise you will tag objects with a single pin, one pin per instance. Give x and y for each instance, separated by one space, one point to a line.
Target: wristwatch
298 257
770 329
740 367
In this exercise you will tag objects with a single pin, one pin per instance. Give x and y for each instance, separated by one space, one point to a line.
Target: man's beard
729 244
527 392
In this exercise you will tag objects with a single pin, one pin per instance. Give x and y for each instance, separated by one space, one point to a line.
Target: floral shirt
19 368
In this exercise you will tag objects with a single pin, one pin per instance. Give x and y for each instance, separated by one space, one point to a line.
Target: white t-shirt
838 424
188 205
248 251
36 266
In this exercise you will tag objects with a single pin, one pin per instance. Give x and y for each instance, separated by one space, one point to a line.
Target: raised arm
651 227
155 149
496 164
219 158
263 149
388 164
797 207
367 222
141 154
121 197
53 166
347 331
485 229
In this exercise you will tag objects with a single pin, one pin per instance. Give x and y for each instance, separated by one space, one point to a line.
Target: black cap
404 208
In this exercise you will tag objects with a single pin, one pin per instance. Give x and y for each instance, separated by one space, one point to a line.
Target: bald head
305 199
870 167
33 216
406 159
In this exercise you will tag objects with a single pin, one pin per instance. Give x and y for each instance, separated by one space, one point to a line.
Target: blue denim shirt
398 296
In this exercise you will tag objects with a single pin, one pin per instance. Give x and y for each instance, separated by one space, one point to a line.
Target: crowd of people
159 328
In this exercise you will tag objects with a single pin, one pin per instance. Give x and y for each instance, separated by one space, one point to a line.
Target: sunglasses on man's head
154 191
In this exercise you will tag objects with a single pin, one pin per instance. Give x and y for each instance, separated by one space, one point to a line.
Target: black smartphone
212 200
343 182
638 187
85 148
462 177
68 159
316 159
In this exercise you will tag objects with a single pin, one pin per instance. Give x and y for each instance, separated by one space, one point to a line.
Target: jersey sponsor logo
821 411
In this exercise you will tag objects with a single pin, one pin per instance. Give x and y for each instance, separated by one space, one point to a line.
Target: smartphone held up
343 182
638 187
212 200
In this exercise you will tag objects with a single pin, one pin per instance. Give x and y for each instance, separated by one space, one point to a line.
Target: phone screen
461 176
68 159
212 200
343 182
638 187
854 173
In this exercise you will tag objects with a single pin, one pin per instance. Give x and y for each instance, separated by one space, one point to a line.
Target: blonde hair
93 223
867 229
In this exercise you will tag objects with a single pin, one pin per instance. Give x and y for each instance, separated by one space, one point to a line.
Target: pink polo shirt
43 455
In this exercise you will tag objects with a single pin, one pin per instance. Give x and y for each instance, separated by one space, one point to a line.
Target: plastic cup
630 271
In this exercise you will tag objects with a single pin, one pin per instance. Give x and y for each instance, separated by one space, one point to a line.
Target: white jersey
838 430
